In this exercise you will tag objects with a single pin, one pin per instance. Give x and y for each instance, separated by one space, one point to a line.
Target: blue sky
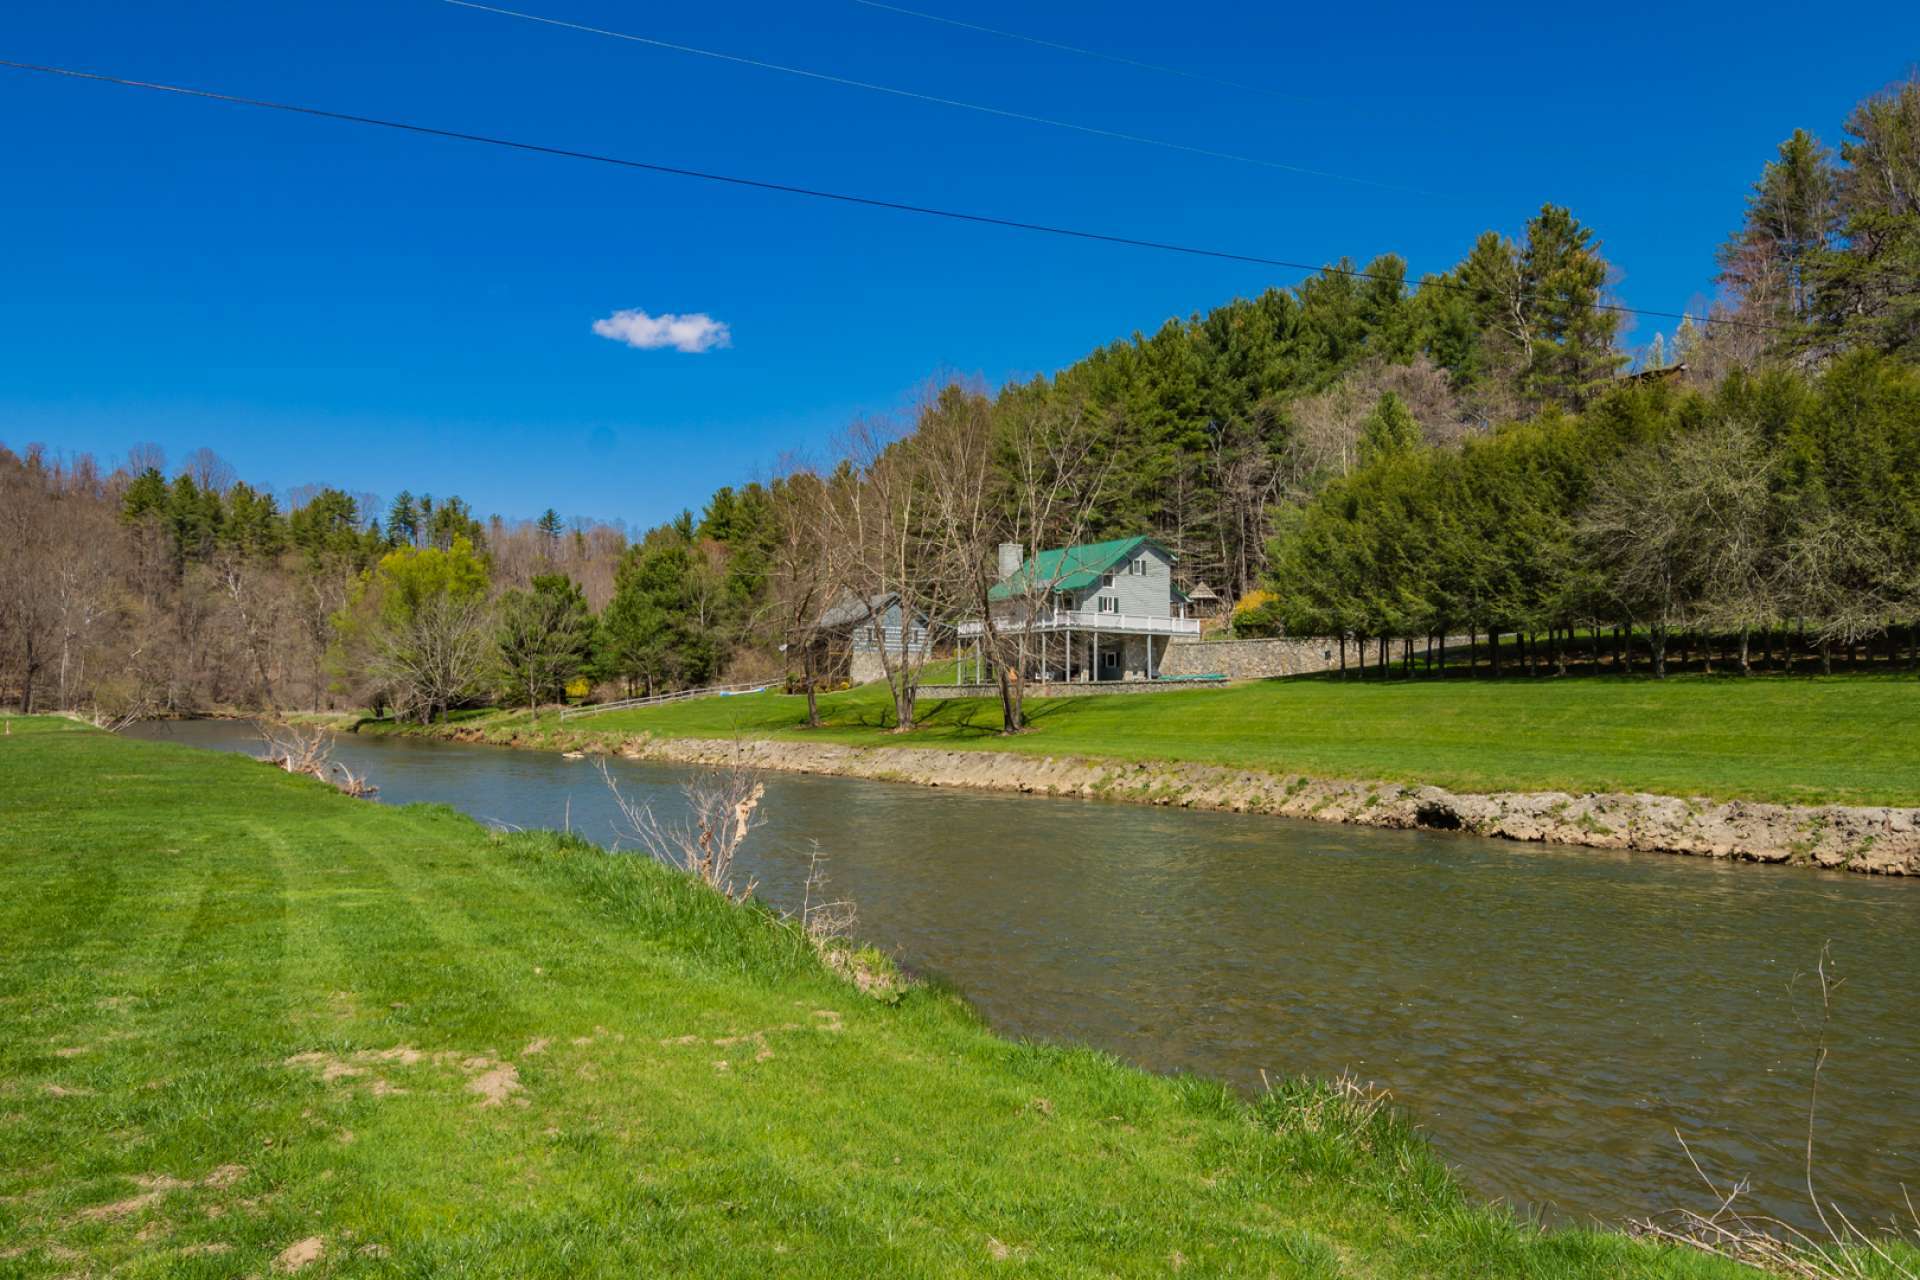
319 302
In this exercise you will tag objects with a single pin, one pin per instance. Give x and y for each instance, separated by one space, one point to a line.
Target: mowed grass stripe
408 959
843 1137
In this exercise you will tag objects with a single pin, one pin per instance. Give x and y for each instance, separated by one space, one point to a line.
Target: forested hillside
1359 456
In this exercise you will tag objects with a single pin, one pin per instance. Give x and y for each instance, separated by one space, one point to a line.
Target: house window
1109 604
1138 568
1106 579
1110 659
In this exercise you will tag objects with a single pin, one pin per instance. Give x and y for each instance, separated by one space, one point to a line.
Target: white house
1099 611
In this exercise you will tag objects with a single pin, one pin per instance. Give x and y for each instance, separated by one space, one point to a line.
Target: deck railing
1091 620
659 699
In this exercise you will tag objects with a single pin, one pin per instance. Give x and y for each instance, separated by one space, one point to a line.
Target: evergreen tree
194 516
252 524
328 527
1869 290
145 497
449 522
649 631
1770 265
544 638
403 521
1390 431
550 527
1570 353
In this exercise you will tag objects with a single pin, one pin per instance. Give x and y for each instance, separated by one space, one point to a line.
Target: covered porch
1077 647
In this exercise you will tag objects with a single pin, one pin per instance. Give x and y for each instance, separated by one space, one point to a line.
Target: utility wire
1003 113
760 184
1085 53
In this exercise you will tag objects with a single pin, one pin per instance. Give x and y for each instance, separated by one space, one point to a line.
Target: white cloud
692 333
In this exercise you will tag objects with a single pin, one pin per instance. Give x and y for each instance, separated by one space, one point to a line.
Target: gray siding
1149 594
867 635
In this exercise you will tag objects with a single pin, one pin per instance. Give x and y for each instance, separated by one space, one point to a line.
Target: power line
761 184
1002 112
1085 53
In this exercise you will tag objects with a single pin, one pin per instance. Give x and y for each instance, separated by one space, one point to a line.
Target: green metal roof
1069 568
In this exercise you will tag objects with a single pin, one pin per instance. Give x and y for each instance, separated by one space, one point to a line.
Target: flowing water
1552 1017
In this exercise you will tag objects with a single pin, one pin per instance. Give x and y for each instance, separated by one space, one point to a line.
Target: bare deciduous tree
1024 470
722 810
881 519
808 571
434 657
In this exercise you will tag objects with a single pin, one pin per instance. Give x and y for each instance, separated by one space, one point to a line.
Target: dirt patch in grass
497 1084
300 1254
496 1081
155 1187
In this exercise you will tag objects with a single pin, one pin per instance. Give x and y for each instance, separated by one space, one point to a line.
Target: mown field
253 1027
1852 739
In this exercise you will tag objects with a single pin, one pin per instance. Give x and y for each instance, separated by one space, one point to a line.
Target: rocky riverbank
1873 840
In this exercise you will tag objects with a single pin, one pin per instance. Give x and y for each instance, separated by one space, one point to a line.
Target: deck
1090 621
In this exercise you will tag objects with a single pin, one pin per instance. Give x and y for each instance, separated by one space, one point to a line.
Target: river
1551 1016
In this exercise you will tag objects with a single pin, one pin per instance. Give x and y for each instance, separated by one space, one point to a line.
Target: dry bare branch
723 809
1845 1252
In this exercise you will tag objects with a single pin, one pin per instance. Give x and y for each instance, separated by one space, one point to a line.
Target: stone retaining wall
1884 841
1251 659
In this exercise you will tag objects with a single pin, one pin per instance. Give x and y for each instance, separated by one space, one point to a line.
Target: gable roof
851 610
1071 568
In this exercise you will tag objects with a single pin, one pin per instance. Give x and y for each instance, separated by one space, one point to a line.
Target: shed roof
1071 568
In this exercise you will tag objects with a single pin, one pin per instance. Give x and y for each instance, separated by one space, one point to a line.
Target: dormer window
1106 579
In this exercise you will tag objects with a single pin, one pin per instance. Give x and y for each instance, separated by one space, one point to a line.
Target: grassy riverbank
250 1019
1797 740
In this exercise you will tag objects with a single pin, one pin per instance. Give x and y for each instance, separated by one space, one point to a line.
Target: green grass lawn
1851 739
251 1022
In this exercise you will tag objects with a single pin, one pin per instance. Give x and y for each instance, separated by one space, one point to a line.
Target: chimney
1011 556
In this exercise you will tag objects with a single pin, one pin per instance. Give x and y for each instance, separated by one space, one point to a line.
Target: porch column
1149 655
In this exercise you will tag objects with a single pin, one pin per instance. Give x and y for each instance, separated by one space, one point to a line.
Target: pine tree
1570 356
1390 430
550 528
544 638
1869 291
403 520
1770 264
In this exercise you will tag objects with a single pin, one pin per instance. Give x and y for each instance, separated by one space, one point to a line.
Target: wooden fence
660 699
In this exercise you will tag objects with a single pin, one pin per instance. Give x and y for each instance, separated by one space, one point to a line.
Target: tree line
1362 456
1773 515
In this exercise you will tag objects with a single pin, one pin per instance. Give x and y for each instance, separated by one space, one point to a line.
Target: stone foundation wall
864 667
1251 659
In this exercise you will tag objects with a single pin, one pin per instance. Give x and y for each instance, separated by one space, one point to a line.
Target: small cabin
857 629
